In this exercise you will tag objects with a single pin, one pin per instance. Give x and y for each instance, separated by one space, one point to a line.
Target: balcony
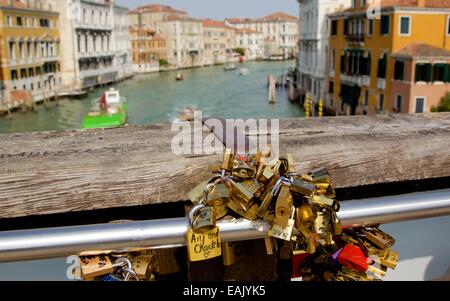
92 54
49 59
357 39
94 27
381 83
360 80
97 72
332 73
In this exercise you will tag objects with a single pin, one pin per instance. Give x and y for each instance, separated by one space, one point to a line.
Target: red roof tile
182 18
15 4
422 50
243 31
141 29
214 23
279 16
409 3
155 8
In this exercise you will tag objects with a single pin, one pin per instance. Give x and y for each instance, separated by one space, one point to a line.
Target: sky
221 9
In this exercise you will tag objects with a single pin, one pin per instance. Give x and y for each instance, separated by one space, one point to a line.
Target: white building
184 38
312 61
95 50
122 43
219 42
280 33
252 42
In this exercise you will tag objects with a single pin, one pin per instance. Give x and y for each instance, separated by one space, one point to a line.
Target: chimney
421 3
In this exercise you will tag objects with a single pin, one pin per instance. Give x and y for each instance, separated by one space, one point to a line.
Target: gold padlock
219 192
305 216
244 171
232 251
196 194
323 200
251 213
227 160
246 190
143 264
387 258
283 207
291 164
239 207
205 219
270 246
220 209
95 266
265 204
271 170
284 233
202 244
320 174
336 225
302 187
379 238
322 224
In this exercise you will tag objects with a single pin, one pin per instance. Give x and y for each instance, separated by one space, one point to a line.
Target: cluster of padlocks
134 266
300 209
302 213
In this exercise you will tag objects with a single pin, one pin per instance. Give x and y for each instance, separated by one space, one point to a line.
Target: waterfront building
219 42
153 16
30 52
280 33
252 42
96 50
148 49
122 43
184 36
312 58
396 63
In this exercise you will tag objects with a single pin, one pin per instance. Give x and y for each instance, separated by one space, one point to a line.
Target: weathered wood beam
57 172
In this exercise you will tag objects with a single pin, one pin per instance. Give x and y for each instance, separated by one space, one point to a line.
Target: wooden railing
61 172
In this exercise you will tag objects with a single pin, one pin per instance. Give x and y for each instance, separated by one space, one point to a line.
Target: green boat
107 112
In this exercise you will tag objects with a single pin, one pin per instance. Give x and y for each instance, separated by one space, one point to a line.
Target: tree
163 62
444 105
240 51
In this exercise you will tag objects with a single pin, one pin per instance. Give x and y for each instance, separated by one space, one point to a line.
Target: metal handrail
169 233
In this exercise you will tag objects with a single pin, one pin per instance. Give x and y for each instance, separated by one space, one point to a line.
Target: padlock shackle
193 212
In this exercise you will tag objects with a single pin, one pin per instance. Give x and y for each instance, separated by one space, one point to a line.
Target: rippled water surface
156 98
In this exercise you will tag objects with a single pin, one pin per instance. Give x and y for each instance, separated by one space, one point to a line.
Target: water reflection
156 98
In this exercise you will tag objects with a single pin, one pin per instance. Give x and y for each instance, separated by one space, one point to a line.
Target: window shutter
428 73
417 72
447 73
362 65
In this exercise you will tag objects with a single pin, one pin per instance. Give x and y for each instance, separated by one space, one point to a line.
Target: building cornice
392 9
28 10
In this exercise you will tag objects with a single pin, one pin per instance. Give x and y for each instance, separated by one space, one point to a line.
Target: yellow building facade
30 51
373 63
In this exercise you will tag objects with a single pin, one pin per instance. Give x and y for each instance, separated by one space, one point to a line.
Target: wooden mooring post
51 173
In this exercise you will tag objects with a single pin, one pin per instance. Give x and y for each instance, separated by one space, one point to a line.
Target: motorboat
230 67
110 110
244 71
187 114
179 77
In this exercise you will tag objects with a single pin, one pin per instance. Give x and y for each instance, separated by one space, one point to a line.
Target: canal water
154 98
157 97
